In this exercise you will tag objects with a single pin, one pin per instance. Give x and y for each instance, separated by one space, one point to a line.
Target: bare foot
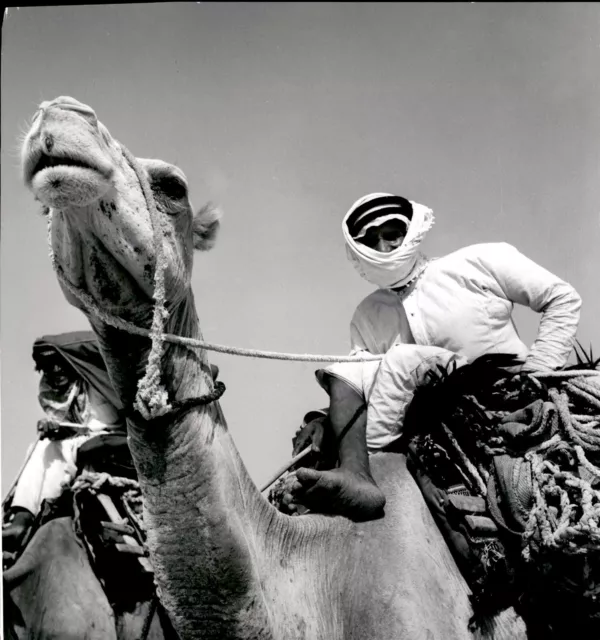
12 536
341 492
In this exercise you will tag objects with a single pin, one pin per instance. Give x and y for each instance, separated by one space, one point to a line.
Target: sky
284 114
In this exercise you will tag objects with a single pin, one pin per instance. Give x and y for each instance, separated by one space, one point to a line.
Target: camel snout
68 104
65 139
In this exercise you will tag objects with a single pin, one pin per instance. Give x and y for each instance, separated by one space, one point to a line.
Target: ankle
356 466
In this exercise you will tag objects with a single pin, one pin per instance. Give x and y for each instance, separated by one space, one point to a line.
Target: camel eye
169 186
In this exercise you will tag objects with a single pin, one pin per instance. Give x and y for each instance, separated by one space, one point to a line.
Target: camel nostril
48 142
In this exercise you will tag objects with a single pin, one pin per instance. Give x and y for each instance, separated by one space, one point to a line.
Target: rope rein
124 325
152 398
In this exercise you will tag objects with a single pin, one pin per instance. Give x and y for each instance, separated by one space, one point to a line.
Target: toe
305 475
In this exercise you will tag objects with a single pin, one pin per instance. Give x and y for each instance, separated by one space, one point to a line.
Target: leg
350 489
51 465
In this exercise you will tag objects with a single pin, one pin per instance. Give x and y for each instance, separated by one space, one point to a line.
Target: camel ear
206 226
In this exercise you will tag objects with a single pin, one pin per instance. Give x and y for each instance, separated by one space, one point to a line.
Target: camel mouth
47 162
64 181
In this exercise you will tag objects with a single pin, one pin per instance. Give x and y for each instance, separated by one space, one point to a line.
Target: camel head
102 234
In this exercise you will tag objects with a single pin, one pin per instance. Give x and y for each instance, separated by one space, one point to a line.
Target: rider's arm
522 281
379 323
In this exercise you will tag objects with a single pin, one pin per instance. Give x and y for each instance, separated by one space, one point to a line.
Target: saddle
105 503
108 453
509 467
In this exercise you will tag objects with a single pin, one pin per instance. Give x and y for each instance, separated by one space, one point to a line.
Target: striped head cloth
376 208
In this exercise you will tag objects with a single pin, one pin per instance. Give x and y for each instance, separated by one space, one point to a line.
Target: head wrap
374 211
86 392
77 351
400 266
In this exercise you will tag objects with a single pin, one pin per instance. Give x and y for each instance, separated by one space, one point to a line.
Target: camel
52 592
227 564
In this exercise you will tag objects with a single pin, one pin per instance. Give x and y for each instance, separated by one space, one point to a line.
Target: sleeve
524 282
357 342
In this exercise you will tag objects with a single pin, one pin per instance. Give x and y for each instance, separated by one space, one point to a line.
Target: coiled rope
575 515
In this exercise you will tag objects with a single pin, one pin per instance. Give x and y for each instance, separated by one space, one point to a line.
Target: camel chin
68 186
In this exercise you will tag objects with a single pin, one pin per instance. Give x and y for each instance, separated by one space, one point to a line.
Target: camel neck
193 480
236 546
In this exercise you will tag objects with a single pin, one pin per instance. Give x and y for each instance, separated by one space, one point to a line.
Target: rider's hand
312 433
48 428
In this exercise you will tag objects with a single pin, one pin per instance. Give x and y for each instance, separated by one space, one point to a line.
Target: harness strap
178 408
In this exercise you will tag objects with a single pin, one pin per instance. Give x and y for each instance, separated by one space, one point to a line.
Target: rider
74 388
425 312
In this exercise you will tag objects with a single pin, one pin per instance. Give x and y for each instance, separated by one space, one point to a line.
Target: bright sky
285 114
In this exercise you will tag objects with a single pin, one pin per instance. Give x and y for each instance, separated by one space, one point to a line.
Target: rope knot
152 401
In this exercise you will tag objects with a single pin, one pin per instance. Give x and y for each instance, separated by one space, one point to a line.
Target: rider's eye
391 236
370 240
170 186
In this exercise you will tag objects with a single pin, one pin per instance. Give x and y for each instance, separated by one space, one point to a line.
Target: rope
179 407
149 616
124 325
555 500
152 397
572 373
566 508
93 481
156 398
114 321
477 483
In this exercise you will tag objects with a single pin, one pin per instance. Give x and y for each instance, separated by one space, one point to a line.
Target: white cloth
388 386
52 465
397 267
402 370
462 304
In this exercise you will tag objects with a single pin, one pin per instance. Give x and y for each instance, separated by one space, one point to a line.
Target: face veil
400 266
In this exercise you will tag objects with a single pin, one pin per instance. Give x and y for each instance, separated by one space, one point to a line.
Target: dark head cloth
80 350
368 211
